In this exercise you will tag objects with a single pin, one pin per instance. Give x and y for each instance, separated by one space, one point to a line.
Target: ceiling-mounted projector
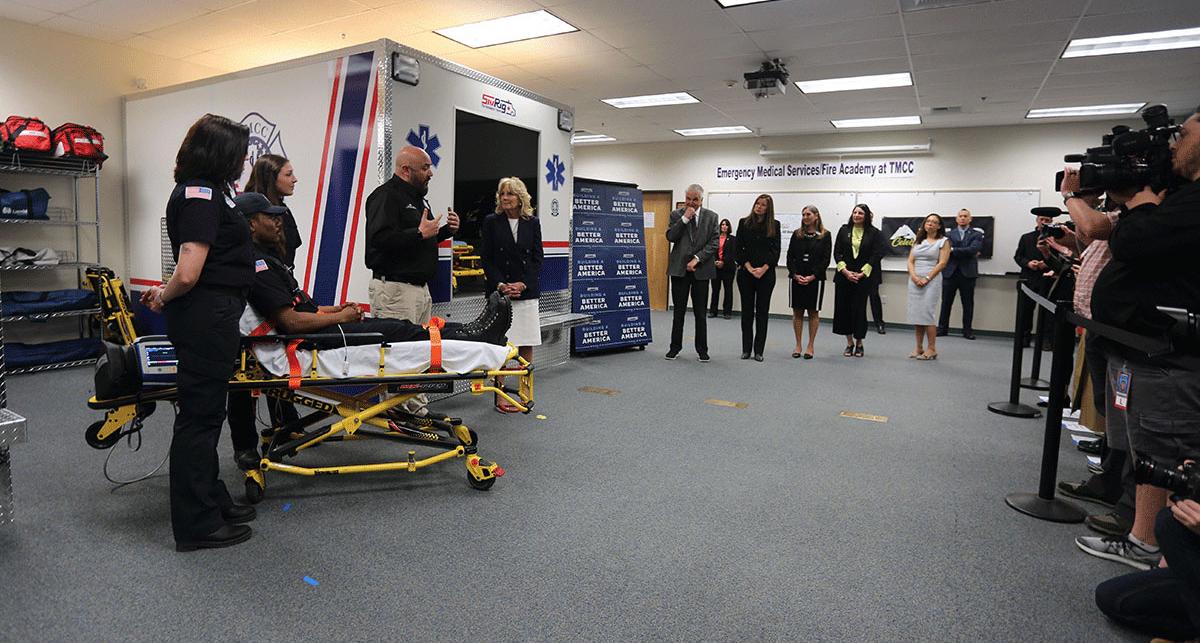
770 79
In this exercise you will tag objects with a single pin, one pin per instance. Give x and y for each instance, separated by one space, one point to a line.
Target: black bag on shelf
50 301
24 204
17 355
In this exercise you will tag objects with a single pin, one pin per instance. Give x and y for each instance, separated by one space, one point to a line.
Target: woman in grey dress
928 257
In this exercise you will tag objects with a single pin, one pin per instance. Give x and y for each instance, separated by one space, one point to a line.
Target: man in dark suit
693 236
960 273
1033 263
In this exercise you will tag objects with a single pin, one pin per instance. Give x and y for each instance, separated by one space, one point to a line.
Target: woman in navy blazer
511 251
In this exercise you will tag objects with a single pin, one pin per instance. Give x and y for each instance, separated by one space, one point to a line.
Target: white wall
1016 157
59 78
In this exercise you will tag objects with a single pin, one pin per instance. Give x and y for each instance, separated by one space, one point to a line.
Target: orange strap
434 327
293 364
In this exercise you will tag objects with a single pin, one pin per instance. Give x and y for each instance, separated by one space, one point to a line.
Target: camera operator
1113 486
1163 602
1157 398
1032 261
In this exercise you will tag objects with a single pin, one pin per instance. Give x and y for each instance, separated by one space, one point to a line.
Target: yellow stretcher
336 408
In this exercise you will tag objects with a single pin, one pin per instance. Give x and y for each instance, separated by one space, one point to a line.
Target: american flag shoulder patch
197 192
260 265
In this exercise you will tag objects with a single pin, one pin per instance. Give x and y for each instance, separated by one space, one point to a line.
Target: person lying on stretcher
276 296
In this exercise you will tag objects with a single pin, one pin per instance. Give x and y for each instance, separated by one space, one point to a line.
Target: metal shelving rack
76 170
12 431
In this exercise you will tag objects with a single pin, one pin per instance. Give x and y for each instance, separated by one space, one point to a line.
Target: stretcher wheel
254 491
92 436
145 410
482 485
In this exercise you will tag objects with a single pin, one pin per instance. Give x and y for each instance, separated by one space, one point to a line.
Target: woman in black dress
807 258
203 301
857 246
758 252
726 264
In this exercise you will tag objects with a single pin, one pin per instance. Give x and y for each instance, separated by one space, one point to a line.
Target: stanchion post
1035 382
1013 407
1044 505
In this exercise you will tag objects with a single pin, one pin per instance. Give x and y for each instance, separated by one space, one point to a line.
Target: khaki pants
398 300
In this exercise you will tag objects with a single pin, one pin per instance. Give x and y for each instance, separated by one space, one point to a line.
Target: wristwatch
1072 195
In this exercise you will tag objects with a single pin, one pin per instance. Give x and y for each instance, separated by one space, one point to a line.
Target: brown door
659 202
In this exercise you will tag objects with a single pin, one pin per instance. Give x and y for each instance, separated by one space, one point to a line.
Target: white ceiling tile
140 16
970 43
1046 53
1153 19
989 15
158 47
710 49
809 36
23 12
432 43
221 30
1180 7
287 15
79 27
353 30
450 13
786 13
891 52
694 28
56 6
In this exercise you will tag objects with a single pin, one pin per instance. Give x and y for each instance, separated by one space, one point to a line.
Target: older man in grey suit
693 235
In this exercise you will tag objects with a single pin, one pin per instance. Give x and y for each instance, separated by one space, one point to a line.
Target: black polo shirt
202 212
275 287
395 250
1154 264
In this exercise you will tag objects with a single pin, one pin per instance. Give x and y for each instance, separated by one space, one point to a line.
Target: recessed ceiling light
877 122
738 3
1086 110
714 131
651 100
591 138
522 26
1135 42
854 82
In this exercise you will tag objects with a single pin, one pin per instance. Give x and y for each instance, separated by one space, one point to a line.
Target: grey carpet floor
646 514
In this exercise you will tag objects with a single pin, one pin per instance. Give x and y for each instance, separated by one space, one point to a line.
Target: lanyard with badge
1121 388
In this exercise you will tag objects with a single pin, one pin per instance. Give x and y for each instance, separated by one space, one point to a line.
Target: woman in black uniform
807 259
273 176
757 254
855 249
203 301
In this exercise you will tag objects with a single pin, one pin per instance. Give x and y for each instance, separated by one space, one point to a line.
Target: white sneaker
1118 549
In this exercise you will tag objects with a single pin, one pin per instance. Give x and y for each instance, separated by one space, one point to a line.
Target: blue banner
608 268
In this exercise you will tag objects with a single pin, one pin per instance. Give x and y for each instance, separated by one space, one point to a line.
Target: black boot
489 327
880 328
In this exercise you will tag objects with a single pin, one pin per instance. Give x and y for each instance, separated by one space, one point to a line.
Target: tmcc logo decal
264 137
498 105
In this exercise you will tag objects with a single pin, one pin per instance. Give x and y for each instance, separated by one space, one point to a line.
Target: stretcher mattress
400 358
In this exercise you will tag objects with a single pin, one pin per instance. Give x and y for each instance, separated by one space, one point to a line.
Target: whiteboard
1009 207
835 210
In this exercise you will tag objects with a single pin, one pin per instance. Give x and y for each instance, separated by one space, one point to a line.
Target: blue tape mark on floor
311 581
287 506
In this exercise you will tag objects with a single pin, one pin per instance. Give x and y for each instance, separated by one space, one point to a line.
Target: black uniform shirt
201 212
275 287
395 248
291 238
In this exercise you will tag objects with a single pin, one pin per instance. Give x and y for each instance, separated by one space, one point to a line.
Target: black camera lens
1156 116
1183 482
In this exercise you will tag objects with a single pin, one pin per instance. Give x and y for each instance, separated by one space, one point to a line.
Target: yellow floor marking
732 405
599 390
863 416
540 417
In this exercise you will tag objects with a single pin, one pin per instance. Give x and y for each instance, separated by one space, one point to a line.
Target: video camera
1128 158
1183 482
1056 230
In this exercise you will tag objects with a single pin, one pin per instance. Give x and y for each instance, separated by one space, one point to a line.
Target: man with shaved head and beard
403 233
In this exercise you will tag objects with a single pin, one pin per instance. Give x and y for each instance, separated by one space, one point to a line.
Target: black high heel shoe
849 352
858 351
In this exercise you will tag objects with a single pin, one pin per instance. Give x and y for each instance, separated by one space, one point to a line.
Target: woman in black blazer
807 260
726 263
511 252
858 245
758 252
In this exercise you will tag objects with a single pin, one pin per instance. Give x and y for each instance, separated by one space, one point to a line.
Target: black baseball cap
252 203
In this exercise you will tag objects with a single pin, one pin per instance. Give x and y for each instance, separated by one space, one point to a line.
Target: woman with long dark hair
758 252
807 259
928 257
726 264
858 245
274 177
203 302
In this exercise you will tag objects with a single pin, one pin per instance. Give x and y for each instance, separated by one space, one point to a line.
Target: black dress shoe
745 355
226 536
942 332
968 335
238 514
880 328
727 316
712 315
758 358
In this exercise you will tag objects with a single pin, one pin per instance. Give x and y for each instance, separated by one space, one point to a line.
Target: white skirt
526 329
